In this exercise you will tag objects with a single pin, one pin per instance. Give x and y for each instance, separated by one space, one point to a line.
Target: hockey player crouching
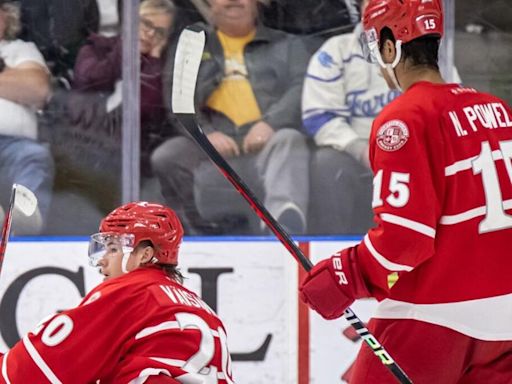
139 326
441 158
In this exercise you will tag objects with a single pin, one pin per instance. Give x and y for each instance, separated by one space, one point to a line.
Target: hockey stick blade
187 61
186 67
23 200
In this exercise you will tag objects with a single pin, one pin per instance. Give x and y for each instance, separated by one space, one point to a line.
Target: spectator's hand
158 48
225 145
360 150
365 157
259 134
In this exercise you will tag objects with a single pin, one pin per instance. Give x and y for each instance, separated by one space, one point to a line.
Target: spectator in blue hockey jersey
342 94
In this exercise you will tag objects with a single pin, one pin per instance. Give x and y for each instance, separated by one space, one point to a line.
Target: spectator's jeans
27 162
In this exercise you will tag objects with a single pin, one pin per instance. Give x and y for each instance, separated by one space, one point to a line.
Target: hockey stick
22 199
186 67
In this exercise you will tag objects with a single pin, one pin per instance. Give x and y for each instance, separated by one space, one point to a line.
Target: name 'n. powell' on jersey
441 155
490 116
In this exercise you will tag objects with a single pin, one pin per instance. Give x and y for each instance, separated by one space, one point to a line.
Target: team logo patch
392 136
325 59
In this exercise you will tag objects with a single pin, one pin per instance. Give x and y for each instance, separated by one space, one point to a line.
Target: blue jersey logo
325 59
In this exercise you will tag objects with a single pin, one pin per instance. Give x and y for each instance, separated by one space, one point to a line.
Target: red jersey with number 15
129 328
442 159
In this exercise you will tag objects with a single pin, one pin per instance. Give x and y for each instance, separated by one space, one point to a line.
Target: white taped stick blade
24 200
186 67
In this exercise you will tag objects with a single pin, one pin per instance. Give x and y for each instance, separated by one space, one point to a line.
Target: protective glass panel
81 123
248 104
267 100
483 45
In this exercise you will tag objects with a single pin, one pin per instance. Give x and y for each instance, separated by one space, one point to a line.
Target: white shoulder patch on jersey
392 135
95 296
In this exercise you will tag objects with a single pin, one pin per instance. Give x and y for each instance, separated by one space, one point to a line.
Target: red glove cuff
333 284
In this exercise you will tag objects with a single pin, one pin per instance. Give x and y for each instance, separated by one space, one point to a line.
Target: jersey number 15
495 217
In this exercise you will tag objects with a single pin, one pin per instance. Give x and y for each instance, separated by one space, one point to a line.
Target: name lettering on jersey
456 124
182 297
463 90
489 116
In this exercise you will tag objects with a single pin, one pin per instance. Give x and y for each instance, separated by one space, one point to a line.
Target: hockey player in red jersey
441 155
139 326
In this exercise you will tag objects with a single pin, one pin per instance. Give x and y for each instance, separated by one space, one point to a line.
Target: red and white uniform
442 160
138 325
441 156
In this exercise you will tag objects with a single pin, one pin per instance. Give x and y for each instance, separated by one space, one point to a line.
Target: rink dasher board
256 295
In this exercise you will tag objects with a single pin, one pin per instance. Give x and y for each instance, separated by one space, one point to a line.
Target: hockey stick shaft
187 61
188 122
6 227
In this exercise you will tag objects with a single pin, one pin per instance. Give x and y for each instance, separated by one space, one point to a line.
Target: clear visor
370 45
104 243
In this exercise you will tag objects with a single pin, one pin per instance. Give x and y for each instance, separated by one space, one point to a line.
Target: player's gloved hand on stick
333 284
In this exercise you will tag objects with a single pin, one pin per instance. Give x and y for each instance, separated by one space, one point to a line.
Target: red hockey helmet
407 19
147 221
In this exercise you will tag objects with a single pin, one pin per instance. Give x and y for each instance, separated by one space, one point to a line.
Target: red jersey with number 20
442 159
129 328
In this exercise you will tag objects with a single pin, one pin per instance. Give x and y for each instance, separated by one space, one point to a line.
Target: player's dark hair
171 270
423 51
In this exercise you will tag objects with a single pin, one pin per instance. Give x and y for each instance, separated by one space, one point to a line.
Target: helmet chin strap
127 251
390 68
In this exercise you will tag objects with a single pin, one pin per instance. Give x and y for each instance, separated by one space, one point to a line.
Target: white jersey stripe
157 328
166 325
171 362
147 372
409 224
38 360
466 164
483 319
4 369
389 265
470 214
464 216
458 166
181 363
